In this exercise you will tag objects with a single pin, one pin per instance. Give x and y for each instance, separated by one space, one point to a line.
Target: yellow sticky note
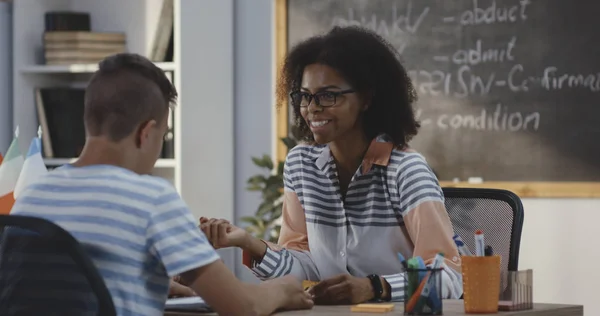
308 284
372 308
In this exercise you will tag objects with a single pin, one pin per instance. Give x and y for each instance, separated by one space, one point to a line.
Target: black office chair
45 271
499 213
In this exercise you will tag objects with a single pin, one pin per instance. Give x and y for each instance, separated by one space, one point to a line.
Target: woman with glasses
355 195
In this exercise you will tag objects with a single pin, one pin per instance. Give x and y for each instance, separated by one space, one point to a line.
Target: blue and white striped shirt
393 205
136 229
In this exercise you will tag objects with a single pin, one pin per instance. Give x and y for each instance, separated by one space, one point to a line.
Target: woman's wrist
255 247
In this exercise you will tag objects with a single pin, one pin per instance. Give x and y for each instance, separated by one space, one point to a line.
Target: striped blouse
393 204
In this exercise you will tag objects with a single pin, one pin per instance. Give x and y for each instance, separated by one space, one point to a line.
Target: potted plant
265 224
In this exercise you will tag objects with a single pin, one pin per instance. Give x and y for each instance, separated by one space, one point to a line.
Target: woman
355 195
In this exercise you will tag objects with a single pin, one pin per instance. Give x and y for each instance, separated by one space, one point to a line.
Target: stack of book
68 39
73 47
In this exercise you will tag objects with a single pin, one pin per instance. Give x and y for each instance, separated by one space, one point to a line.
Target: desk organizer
481 284
423 292
518 294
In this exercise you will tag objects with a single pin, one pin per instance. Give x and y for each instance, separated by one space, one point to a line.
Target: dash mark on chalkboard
449 19
425 122
441 58
501 83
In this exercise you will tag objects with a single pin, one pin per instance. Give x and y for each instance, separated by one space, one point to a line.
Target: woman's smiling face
342 107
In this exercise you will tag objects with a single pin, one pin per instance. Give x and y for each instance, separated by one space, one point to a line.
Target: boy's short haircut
127 90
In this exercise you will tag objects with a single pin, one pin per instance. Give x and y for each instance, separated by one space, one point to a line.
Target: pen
479 243
463 250
488 251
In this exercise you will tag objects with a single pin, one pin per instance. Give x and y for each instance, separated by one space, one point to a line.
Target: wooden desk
451 308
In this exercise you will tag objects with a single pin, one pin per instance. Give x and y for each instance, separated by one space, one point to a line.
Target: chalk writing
461 84
492 14
477 55
395 29
551 81
499 120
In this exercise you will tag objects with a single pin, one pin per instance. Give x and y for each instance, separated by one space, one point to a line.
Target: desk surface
451 308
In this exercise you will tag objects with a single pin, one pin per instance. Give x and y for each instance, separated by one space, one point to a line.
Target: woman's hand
222 234
342 289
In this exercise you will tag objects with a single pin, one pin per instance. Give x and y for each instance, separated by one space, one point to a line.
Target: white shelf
78 68
137 19
161 163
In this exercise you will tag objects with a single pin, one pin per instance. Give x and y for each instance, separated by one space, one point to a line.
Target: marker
463 250
479 243
488 251
430 285
422 268
402 261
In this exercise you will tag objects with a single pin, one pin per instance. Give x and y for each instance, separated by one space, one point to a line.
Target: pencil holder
423 292
481 284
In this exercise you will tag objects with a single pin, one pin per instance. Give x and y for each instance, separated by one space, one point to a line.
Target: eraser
372 308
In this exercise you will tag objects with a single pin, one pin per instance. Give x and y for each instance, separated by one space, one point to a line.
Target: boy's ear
143 132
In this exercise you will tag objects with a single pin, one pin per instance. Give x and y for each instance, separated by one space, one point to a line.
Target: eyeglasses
323 98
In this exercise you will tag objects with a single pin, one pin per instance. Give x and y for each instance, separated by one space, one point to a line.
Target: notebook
194 304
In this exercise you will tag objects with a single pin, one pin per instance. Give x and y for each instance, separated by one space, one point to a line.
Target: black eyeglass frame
317 97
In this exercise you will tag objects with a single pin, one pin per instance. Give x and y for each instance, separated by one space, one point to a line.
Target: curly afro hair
371 66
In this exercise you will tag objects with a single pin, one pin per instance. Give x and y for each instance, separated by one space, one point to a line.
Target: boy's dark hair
125 91
371 66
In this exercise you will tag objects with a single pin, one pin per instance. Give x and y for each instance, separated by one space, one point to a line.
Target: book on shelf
60 116
168 149
67 21
77 47
162 48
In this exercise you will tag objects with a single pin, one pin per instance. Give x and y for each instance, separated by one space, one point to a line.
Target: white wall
226 97
560 244
5 76
207 94
254 92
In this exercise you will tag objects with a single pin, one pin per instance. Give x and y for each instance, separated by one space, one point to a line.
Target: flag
33 167
9 175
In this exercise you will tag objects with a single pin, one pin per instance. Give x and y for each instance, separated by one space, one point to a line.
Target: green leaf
274 181
289 142
254 187
271 195
264 162
276 214
274 234
258 179
280 168
264 208
250 220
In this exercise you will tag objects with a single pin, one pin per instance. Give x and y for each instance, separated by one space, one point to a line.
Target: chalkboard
509 90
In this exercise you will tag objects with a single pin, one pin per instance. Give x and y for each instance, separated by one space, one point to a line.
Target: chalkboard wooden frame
522 189
281 43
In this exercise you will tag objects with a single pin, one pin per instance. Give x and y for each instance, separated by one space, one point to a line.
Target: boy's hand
177 289
289 290
222 234
342 289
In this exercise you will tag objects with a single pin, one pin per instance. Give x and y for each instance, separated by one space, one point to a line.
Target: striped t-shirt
393 205
136 229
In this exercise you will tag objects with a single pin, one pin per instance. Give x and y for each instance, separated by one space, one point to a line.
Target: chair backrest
499 213
45 271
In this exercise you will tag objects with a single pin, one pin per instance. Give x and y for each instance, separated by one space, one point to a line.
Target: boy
135 226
